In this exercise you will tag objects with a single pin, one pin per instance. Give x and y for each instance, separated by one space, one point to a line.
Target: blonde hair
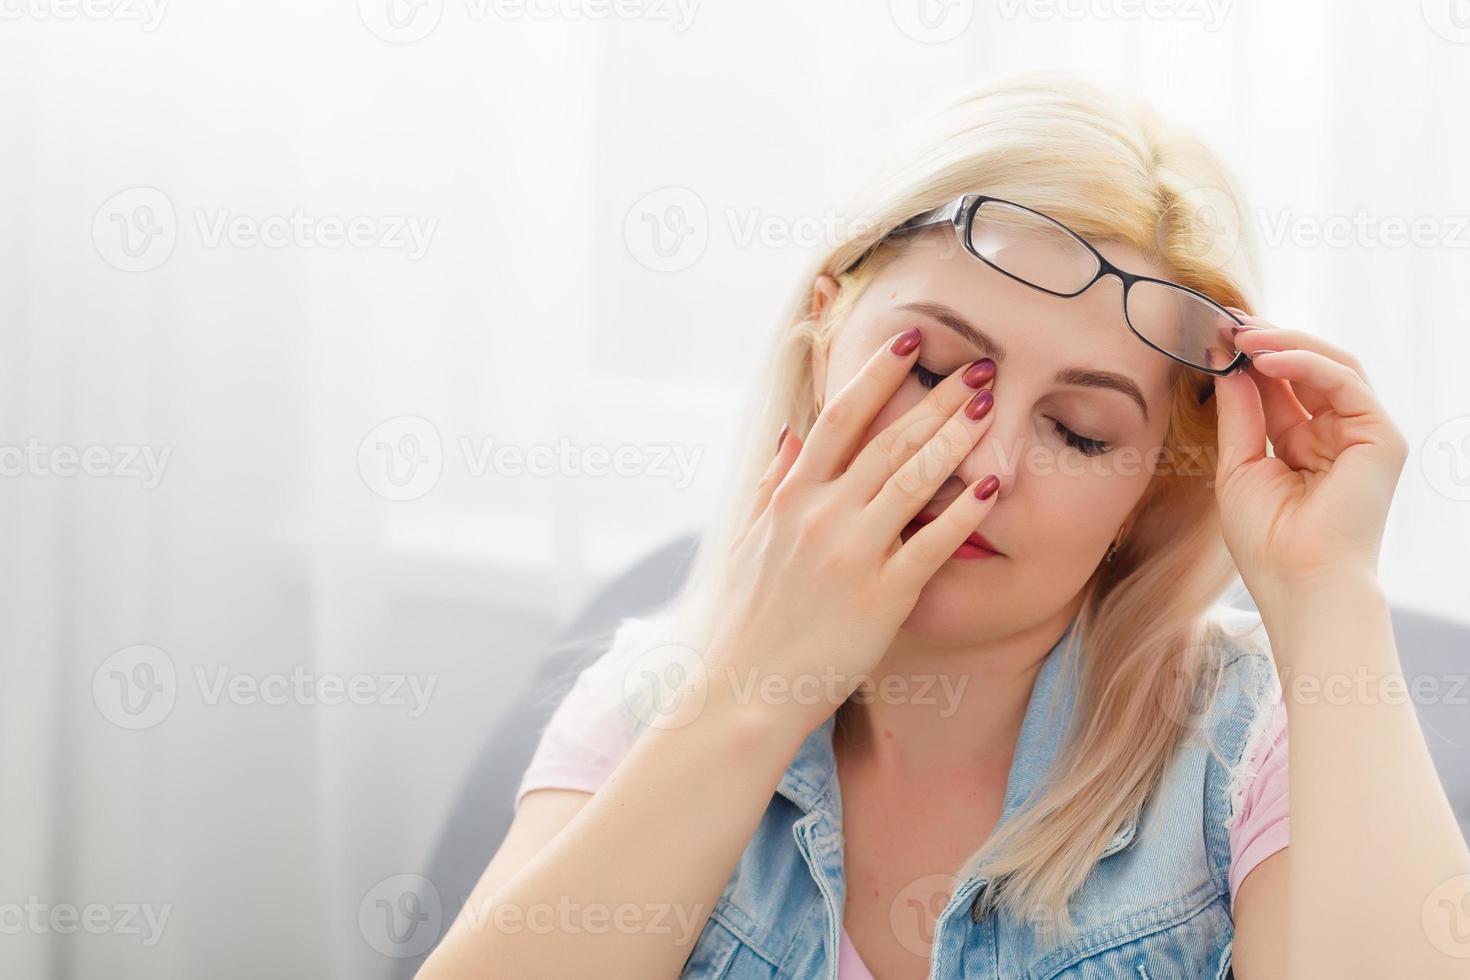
1105 164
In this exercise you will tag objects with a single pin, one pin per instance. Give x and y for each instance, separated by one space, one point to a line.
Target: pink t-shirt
589 733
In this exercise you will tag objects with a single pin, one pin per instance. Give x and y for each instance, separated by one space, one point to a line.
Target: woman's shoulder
595 722
629 647
1237 643
1245 718
1247 688
627 638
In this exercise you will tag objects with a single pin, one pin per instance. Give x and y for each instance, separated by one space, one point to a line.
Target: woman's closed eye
1083 444
927 378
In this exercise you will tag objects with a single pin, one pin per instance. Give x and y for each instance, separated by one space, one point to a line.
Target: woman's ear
824 290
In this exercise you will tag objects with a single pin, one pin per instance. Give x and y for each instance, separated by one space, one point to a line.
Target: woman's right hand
820 580
821 584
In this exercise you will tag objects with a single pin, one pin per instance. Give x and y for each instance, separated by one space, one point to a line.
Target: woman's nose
999 451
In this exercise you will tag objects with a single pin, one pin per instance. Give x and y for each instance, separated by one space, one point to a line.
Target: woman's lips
975 546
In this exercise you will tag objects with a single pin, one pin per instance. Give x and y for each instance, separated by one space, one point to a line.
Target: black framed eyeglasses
1032 248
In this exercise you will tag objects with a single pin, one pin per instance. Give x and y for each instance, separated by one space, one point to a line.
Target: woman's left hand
1316 509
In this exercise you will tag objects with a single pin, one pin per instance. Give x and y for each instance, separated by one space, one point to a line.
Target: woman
950 691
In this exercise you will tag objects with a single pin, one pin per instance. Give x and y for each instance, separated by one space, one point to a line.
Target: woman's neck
942 712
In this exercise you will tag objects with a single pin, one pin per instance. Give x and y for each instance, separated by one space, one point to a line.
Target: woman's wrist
759 713
1288 602
1313 622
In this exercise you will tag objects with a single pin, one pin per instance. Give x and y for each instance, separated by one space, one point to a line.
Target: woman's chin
950 606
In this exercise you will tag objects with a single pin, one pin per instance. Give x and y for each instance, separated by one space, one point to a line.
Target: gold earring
1113 548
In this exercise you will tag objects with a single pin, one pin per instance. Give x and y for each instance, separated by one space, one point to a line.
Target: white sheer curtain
302 302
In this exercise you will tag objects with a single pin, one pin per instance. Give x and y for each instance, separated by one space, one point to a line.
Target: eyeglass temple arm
945 214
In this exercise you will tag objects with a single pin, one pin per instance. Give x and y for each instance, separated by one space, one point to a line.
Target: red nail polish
987 487
781 439
906 341
980 404
980 372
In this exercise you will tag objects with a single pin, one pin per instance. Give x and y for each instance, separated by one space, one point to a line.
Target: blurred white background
291 289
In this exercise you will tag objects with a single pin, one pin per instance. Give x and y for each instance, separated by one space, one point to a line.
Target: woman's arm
1260 920
1377 873
1374 841
626 887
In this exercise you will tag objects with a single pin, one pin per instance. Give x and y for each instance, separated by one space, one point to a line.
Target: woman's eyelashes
1083 444
927 378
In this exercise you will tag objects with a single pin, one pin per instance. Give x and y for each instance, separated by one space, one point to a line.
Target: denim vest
1156 905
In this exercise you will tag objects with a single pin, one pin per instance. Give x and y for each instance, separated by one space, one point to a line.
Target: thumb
1242 424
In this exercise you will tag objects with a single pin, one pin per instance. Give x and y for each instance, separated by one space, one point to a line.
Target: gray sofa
478 820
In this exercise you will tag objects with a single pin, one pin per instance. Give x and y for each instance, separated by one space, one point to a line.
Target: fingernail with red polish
980 404
980 372
906 341
987 487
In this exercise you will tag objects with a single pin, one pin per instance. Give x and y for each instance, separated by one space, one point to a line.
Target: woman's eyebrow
951 319
1092 378
989 347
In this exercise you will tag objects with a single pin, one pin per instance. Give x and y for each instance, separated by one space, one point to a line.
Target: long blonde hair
1104 163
